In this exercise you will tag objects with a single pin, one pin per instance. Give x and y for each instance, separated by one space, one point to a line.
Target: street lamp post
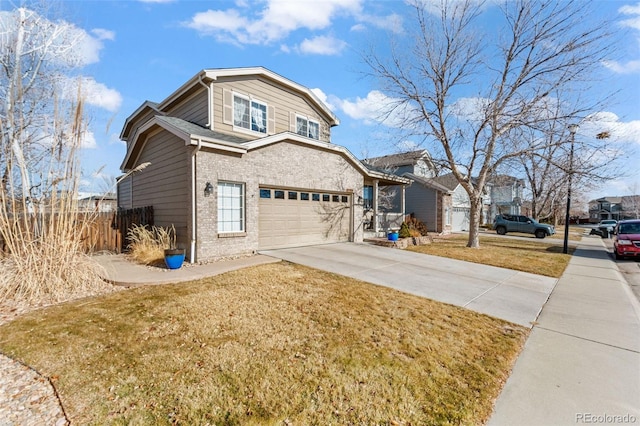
573 128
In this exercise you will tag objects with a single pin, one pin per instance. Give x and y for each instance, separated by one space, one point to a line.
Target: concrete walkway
121 271
581 363
503 293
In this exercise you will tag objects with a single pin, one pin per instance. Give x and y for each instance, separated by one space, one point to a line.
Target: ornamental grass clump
42 254
147 244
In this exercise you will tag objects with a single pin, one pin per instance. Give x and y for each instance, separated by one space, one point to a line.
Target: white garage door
460 219
290 218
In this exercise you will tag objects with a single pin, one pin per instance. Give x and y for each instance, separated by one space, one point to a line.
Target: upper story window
308 128
249 114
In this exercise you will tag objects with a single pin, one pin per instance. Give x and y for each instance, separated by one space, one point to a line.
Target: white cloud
114 138
393 22
213 22
94 93
376 108
248 24
323 97
630 10
103 34
470 109
88 140
630 67
322 45
633 66
633 22
605 121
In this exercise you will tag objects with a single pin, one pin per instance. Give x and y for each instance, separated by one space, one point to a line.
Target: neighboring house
241 160
426 198
618 208
505 196
98 203
440 201
460 203
502 194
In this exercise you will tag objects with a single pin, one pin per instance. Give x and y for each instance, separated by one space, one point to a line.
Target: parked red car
627 239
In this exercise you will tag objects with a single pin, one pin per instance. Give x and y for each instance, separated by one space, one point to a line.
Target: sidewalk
120 271
581 363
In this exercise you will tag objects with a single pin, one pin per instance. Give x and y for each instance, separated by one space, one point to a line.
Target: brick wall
282 164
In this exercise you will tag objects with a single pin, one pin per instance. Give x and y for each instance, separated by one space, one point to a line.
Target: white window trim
308 120
251 100
243 209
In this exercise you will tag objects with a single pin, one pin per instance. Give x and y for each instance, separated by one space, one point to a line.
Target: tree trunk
474 221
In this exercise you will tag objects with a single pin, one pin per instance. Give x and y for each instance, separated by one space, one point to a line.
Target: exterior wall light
208 189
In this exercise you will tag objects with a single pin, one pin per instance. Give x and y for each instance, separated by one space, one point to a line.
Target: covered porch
383 203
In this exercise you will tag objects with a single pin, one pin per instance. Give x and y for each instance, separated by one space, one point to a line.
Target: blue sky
144 50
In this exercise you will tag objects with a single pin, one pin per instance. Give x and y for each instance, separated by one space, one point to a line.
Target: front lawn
535 256
273 344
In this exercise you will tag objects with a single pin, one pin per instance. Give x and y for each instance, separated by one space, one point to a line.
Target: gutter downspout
194 204
209 88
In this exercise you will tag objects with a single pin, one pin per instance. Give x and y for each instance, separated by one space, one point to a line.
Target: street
630 268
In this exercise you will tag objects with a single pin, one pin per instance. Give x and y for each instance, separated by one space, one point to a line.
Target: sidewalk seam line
588 340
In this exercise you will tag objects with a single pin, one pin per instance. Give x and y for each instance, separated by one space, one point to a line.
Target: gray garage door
290 218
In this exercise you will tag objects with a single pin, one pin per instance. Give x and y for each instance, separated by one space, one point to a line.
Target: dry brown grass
534 256
147 244
44 260
274 344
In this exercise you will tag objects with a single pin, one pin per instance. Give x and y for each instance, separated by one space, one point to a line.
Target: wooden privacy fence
96 231
124 219
108 231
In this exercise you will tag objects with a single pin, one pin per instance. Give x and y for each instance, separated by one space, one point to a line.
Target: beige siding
283 101
193 109
165 184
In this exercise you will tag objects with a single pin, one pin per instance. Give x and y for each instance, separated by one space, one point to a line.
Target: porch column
402 202
375 206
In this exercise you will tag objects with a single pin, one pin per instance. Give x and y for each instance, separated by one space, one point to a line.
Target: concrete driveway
510 295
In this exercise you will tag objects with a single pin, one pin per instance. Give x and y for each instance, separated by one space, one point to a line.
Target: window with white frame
308 128
230 207
249 114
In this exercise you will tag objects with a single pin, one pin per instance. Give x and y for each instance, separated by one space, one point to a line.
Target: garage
291 217
460 219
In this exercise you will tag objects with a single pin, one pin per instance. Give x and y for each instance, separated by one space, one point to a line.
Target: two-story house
241 160
618 208
505 195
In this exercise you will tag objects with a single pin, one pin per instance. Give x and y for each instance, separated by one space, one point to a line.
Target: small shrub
404 231
418 226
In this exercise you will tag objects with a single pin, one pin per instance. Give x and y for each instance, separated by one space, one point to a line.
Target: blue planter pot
392 236
174 258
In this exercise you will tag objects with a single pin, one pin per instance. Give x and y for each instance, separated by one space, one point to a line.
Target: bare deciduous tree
541 50
42 127
546 170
